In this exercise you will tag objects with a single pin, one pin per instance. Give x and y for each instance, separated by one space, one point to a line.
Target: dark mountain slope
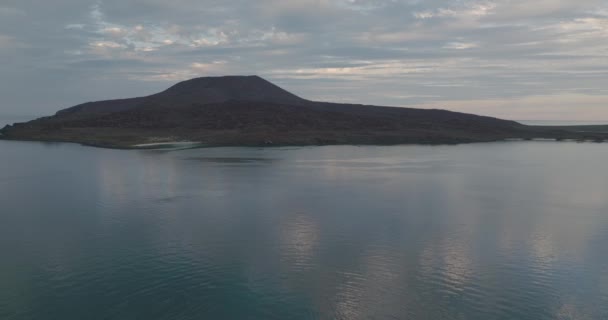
253 111
97 108
198 90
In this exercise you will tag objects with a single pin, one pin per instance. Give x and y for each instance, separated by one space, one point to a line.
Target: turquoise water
513 230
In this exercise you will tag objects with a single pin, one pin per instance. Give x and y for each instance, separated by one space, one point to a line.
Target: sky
515 59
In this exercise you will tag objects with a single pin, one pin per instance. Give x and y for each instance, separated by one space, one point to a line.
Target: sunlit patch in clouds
490 57
468 10
460 45
583 28
365 70
106 44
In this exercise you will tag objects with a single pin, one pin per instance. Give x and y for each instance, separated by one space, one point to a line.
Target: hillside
248 110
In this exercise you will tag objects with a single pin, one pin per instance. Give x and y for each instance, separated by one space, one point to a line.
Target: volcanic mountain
248 110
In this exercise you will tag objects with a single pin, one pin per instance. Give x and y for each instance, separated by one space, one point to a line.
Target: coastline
182 145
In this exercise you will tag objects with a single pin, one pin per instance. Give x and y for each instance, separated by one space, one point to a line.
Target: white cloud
114 31
460 45
212 37
467 11
369 70
107 44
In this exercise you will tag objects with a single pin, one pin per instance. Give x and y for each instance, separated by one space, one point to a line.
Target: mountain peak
225 88
219 81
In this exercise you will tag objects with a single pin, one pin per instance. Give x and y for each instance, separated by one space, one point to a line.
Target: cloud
467 11
559 106
460 45
5 41
395 52
11 12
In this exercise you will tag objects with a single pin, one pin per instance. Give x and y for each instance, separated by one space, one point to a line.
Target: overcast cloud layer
517 59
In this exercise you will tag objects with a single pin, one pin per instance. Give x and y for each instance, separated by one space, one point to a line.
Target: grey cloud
453 54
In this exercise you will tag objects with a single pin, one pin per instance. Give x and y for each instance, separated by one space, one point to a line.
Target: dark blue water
514 230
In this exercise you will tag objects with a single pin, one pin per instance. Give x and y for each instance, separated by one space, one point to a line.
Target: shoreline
183 145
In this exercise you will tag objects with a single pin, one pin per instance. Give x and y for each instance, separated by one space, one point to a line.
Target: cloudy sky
517 59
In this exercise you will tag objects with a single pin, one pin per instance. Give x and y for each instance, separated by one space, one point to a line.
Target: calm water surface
514 230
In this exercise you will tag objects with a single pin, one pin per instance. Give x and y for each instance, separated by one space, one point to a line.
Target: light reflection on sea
513 230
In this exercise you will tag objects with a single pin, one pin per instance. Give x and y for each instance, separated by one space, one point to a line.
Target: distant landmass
250 111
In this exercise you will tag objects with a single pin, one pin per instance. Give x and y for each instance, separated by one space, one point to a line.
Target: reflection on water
299 239
231 160
484 231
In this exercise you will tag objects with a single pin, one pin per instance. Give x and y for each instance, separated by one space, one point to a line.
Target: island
250 111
